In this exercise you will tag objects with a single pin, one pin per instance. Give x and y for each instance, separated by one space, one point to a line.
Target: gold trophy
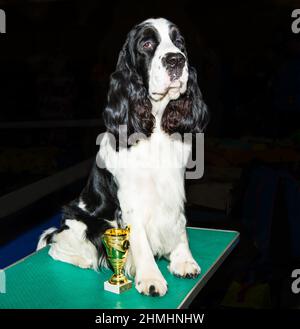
116 243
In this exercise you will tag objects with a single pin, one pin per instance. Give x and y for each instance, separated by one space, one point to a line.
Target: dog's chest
159 153
150 175
150 178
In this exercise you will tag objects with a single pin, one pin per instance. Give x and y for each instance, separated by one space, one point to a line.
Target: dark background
55 62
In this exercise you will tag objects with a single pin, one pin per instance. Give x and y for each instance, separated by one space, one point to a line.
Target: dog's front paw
151 285
185 269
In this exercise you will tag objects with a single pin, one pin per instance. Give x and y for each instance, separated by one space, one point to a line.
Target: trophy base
117 288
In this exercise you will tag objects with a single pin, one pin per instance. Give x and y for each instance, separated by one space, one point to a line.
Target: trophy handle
126 245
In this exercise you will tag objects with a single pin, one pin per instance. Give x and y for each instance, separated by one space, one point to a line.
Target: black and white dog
153 93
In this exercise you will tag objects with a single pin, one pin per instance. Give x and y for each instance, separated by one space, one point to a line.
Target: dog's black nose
175 60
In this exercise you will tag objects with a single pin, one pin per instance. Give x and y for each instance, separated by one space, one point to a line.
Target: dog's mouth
175 85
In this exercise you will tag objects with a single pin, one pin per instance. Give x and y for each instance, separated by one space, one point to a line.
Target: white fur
159 82
113 223
182 262
82 205
42 241
72 247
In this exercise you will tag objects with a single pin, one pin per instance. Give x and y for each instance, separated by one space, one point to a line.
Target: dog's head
153 67
159 56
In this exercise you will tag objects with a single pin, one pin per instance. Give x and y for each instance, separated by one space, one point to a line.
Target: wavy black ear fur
127 102
188 113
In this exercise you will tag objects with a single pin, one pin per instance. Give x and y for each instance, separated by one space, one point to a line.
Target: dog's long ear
188 113
127 102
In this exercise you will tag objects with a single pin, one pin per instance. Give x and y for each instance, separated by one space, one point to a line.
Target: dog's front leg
148 278
182 263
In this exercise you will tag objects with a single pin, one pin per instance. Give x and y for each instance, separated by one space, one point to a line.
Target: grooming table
38 281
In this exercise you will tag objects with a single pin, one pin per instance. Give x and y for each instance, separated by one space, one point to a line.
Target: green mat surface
38 281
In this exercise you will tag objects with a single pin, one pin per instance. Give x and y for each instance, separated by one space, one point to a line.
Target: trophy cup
116 243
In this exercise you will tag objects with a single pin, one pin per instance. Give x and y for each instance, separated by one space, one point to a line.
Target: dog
154 94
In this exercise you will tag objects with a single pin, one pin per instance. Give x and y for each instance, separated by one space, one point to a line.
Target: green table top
38 281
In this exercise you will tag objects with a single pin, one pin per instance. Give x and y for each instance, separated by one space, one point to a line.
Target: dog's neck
158 108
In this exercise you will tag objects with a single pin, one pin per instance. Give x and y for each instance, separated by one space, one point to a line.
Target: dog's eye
147 45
